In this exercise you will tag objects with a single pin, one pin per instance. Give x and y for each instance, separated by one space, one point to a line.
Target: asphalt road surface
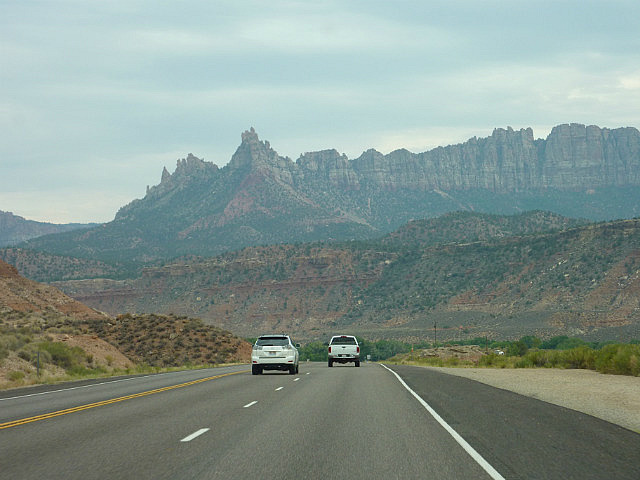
325 423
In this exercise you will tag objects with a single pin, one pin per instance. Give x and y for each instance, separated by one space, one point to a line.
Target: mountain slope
23 295
261 198
535 273
43 331
15 229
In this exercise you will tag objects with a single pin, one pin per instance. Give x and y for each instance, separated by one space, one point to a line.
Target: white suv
274 352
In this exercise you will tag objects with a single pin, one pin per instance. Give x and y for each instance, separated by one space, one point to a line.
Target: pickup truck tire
357 363
255 370
331 363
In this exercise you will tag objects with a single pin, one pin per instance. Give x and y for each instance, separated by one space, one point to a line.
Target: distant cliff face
262 198
572 157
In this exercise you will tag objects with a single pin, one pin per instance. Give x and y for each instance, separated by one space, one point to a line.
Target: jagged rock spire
253 152
165 175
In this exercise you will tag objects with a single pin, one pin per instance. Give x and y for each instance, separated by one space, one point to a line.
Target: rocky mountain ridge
573 156
262 198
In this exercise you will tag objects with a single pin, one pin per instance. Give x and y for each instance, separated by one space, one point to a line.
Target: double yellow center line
45 416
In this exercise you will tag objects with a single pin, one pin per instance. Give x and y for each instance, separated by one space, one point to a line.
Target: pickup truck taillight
329 349
358 349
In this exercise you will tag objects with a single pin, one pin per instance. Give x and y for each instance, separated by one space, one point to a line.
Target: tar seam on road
80 408
493 473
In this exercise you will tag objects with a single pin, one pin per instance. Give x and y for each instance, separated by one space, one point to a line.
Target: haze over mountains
15 229
474 270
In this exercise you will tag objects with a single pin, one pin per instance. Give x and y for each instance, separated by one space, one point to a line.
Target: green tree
314 352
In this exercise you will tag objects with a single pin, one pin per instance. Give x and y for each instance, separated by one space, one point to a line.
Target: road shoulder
614 398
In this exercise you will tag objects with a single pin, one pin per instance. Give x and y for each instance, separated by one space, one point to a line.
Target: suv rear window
343 341
273 341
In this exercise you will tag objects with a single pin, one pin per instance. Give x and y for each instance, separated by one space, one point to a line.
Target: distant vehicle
344 349
498 352
274 352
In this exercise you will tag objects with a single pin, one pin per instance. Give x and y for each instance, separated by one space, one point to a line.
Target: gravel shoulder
614 398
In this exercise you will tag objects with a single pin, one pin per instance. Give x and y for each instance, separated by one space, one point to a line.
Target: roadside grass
36 359
30 355
617 359
24 378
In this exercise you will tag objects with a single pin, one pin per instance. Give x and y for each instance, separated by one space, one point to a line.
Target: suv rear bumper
274 363
344 359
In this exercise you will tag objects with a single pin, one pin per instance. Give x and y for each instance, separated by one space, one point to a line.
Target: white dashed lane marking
194 435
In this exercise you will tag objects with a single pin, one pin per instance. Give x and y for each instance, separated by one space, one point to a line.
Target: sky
96 97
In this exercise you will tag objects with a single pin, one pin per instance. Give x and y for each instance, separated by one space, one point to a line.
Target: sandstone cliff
573 156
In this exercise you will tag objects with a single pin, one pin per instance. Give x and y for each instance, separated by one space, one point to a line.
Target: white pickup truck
344 349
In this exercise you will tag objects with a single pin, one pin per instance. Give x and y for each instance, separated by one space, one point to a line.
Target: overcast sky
96 97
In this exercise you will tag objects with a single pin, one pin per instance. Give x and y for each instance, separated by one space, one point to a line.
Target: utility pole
435 333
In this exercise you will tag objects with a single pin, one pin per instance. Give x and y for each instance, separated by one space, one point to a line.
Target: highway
324 423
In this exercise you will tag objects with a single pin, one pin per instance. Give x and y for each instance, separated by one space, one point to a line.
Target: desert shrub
580 357
30 354
494 360
619 359
62 355
535 358
517 349
615 358
13 341
452 362
16 375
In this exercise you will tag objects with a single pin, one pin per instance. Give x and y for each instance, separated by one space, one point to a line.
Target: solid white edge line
493 473
194 435
250 404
